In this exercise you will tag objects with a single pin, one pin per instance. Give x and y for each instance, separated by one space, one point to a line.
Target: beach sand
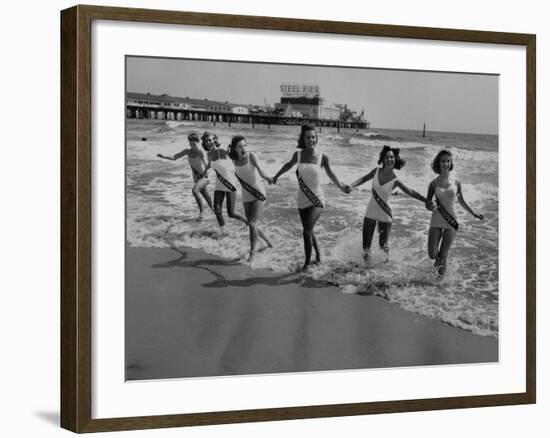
191 314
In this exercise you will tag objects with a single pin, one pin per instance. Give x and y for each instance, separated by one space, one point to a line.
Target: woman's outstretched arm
411 192
256 163
430 205
174 157
286 167
462 202
326 165
363 179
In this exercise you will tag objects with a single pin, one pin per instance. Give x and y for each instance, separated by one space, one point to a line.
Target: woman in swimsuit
248 172
196 156
378 211
226 182
311 199
443 225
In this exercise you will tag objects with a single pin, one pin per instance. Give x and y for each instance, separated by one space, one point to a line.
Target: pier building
166 107
293 109
305 100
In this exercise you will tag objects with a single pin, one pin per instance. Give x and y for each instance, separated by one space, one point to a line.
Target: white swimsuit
447 197
252 188
310 193
383 191
225 175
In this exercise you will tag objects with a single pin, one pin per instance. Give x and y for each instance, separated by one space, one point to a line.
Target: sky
394 99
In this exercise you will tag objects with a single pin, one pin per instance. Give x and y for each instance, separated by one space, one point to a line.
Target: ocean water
161 212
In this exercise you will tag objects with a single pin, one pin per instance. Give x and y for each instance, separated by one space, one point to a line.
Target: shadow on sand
221 281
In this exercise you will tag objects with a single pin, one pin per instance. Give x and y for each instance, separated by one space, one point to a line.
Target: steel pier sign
300 90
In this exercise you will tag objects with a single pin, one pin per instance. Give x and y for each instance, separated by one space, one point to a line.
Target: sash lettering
385 207
251 189
446 215
225 182
309 194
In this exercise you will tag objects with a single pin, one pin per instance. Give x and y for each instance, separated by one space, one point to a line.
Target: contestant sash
251 189
308 192
225 182
446 215
385 207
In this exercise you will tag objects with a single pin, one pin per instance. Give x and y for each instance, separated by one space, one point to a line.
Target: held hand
269 180
430 205
274 180
346 188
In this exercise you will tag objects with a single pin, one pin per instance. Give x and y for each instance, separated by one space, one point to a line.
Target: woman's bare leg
219 197
309 217
230 205
201 187
448 236
434 237
384 231
368 232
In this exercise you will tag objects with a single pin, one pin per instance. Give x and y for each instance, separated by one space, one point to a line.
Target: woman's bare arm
464 204
364 179
286 167
256 163
176 156
410 192
326 165
430 205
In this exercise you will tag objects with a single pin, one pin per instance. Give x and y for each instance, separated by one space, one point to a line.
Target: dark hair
399 162
204 135
436 163
193 136
233 146
215 140
301 141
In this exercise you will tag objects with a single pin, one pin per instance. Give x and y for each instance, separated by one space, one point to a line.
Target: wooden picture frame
76 218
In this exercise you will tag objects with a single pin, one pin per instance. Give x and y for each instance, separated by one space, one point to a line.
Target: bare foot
366 256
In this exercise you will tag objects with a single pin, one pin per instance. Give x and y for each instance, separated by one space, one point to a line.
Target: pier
159 113
290 111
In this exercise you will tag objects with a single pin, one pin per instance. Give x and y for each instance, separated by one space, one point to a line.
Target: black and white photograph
287 218
275 219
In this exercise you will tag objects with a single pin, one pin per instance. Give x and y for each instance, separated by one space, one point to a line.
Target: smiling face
208 142
389 159
240 149
446 162
310 138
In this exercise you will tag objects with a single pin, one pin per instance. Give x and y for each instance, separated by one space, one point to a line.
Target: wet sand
191 314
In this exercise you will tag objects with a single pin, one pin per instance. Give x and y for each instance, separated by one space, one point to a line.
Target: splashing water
161 212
